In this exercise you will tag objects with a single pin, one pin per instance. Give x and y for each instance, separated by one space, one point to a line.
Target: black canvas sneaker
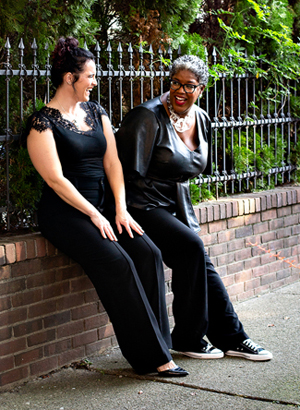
206 352
251 351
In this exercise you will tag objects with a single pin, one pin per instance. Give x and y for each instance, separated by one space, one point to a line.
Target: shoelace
253 346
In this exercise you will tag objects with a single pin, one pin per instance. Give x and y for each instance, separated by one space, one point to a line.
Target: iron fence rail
126 78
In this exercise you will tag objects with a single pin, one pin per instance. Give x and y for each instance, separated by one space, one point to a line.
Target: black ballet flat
175 372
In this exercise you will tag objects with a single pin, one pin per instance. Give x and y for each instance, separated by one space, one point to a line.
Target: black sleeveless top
81 155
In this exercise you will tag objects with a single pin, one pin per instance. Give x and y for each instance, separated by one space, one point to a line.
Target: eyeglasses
188 88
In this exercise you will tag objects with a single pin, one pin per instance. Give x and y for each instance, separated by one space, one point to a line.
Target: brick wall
50 314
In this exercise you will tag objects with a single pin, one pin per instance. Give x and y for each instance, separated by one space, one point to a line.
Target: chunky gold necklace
74 121
181 124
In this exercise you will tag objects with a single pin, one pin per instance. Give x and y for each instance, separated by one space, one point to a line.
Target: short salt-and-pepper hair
192 63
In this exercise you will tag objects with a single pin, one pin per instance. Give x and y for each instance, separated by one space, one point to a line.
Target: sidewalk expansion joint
156 378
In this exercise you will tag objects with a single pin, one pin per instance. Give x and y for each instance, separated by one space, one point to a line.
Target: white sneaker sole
249 356
195 355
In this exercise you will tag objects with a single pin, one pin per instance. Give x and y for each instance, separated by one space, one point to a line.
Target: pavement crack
158 379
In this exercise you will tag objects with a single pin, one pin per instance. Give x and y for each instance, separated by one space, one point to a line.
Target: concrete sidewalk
273 320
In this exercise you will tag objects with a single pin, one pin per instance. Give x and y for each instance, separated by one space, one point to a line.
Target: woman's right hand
104 226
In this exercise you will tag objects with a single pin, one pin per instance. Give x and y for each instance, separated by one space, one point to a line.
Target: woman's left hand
123 218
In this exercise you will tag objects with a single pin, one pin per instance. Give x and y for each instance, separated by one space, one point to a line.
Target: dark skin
182 103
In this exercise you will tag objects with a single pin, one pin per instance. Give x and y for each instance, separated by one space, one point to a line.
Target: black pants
129 279
201 303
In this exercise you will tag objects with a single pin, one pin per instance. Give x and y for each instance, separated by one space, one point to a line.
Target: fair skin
182 103
43 153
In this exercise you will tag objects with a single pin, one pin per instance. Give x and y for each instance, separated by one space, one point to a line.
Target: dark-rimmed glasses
188 88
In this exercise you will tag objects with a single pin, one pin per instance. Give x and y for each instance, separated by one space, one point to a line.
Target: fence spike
46 46
97 47
119 48
7 44
150 49
141 48
21 45
130 50
85 46
214 53
179 51
109 49
34 45
246 53
160 50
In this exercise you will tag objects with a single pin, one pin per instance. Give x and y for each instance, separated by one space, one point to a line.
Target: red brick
27 327
235 245
57 319
30 248
268 278
226 236
269 215
55 262
26 298
283 273
13 346
284 211
28 356
69 272
228 210
2 256
210 239
13 376
5 272
41 309
40 247
70 329
10 252
5 303
25 268
260 271
12 286
291 220
260 228
41 337
202 215
106 331
20 251
235 267
209 214
252 263
96 321
80 284
217 250
262 289
228 280
252 284
41 279
5 333
243 276
244 231
56 348
6 363
241 255
216 212
235 222
84 311
44 366
13 316
245 295
51 250
276 224
92 296
57 289
204 230
225 259
71 356
98 347
69 301
85 338
236 289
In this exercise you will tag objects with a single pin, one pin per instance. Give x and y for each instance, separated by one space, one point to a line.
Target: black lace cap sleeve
97 108
39 122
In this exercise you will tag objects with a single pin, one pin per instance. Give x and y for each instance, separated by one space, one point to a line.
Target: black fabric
128 275
201 303
157 164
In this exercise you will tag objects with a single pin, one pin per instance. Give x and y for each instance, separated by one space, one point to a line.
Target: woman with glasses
162 144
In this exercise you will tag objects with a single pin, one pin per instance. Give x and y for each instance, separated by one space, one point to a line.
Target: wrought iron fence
244 124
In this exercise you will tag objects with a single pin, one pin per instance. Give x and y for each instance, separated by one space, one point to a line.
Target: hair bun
65 45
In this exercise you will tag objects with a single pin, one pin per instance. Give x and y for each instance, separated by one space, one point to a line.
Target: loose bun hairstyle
192 63
67 57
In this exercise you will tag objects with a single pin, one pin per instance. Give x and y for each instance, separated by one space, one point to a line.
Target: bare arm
114 173
42 150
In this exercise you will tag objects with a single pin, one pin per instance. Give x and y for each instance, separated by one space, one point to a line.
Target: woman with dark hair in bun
71 144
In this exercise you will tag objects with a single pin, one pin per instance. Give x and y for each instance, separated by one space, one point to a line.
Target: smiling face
86 81
180 100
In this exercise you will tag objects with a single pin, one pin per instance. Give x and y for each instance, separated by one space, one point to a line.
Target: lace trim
41 120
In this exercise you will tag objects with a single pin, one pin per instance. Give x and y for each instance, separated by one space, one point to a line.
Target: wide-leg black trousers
129 279
201 303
